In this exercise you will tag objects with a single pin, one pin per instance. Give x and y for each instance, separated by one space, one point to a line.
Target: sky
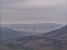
33 11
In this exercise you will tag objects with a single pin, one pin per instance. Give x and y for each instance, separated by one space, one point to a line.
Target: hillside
10 34
60 34
53 40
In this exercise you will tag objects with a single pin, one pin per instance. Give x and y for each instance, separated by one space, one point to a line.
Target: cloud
20 4
40 3
33 11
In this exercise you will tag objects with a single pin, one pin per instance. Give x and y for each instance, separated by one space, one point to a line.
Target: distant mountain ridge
42 27
8 31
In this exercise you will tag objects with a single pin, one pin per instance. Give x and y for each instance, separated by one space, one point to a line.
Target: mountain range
41 27
56 38
13 31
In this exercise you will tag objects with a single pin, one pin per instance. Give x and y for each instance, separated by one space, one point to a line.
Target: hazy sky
33 11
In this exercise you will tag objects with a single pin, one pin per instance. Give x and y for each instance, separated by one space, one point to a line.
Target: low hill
60 34
10 34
